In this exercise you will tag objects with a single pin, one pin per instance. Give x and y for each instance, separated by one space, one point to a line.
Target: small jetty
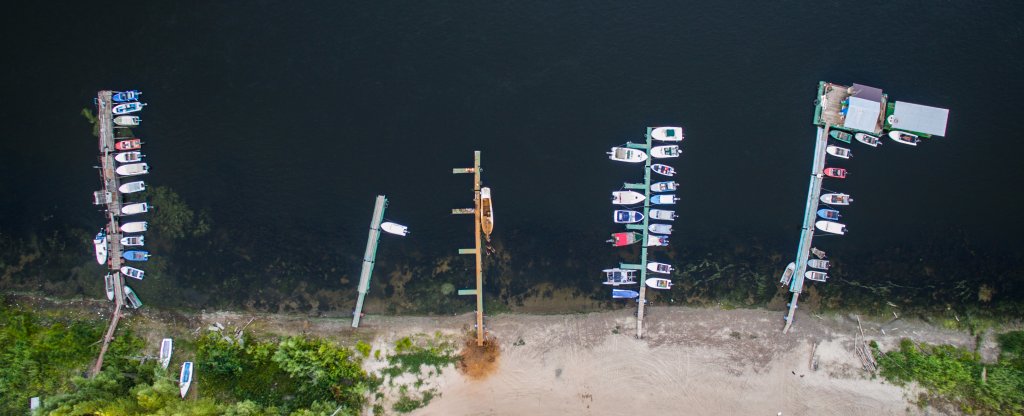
479 226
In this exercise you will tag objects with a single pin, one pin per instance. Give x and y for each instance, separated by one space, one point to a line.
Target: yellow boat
486 211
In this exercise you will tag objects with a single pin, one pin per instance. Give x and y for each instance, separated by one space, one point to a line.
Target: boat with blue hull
127 108
126 96
625 216
136 255
624 294
829 214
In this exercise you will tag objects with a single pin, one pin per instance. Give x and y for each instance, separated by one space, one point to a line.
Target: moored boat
133 272
100 244
130 144
131 299
657 240
818 264
135 255
840 135
127 120
904 137
137 208
663 214
658 283
108 284
129 157
664 186
838 173
667 134
617 276
660 228
831 227
664 170
659 267
816 276
186 378
868 139
787 274
625 154
127 108
627 197
396 229
664 199
666 151
134 227
126 96
829 214
840 152
625 216
132 187
818 253
166 349
133 240
624 238
486 212
132 169
836 199
624 294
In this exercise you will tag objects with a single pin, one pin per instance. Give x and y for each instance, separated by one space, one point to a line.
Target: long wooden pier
477 250
369 257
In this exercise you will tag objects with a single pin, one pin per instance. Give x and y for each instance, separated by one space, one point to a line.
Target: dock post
369 257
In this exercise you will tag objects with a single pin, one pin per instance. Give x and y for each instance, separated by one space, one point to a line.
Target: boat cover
624 294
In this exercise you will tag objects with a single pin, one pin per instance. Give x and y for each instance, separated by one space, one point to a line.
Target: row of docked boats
897 136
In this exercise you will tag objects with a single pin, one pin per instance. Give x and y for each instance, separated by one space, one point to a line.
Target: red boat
835 172
130 144
624 239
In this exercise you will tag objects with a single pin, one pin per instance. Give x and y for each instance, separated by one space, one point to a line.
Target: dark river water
285 119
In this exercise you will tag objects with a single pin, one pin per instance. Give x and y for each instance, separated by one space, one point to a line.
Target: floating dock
369 257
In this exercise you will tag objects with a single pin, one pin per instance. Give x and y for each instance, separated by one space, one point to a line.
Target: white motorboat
904 137
128 108
627 197
132 272
816 276
664 186
818 264
486 212
625 216
396 229
656 240
129 157
132 187
134 227
132 169
127 120
166 349
132 300
787 274
132 209
831 227
666 151
659 267
617 276
665 170
108 284
668 134
840 152
658 283
186 378
660 228
133 240
625 154
836 199
868 139
663 214
100 243
664 199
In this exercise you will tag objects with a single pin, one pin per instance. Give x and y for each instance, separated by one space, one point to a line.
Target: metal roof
862 114
866 92
919 118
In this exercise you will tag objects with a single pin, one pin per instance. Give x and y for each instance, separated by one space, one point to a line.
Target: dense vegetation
959 377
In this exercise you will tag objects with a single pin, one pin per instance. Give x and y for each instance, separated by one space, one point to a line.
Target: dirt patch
478 362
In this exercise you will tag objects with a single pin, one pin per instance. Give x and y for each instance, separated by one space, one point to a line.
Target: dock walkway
796 285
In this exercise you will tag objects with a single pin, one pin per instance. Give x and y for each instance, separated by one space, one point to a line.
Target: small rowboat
868 139
166 349
133 241
617 276
818 264
108 283
663 214
125 96
667 151
836 199
136 255
129 157
664 199
659 267
624 239
816 276
904 137
130 144
486 212
127 108
100 243
664 186
625 216
627 197
127 120
133 300
660 228
186 378
787 274
831 227
840 152
839 173
625 154
658 283
841 135
664 170
624 294
829 214
656 240
667 134
133 272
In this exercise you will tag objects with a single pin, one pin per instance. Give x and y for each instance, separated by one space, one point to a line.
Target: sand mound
478 362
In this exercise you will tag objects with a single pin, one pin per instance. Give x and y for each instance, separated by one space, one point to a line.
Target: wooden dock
477 250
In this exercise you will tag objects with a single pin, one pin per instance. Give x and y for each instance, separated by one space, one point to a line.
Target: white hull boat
100 243
132 187
868 139
128 157
667 134
658 283
127 120
132 169
664 186
186 378
657 240
133 272
108 284
166 349
836 199
396 229
818 264
660 228
787 274
131 299
659 267
625 154
132 209
664 199
134 227
128 108
904 137
486 212
831 227
617 276
625 216
133 241
627 197
816 276
840 152
664 170
667 151
663 214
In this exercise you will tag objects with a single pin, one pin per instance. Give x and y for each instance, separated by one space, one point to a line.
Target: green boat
841 135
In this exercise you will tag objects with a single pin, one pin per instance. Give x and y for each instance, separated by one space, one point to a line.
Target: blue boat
624 294
625 216
829 214
136 255
664 199
126 96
